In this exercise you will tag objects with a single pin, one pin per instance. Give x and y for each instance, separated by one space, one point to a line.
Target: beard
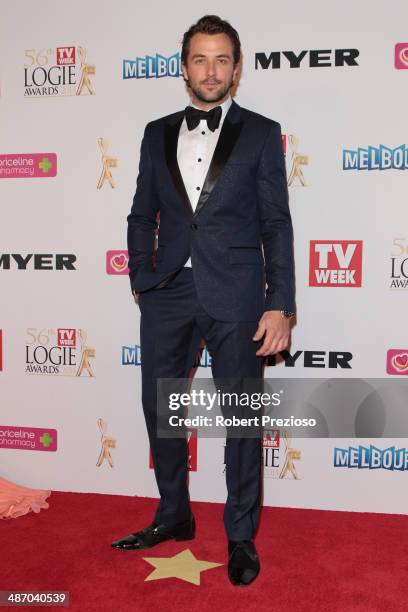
214 96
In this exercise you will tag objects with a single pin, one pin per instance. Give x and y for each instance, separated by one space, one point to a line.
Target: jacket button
194 226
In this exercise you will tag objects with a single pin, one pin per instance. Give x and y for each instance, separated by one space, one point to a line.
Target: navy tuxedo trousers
172 325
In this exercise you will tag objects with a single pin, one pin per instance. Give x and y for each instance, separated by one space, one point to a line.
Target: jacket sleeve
142 218
276 224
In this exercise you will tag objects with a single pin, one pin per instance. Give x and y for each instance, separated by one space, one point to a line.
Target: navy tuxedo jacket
241 231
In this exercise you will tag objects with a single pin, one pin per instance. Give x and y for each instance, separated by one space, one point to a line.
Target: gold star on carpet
184 566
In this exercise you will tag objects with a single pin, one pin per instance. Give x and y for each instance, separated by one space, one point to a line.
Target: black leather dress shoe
243 562
155 534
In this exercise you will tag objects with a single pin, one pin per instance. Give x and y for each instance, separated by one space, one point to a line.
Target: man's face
210 68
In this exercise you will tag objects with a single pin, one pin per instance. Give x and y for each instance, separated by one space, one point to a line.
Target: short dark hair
211 24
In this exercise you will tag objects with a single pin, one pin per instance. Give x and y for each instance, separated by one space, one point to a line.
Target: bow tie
194 116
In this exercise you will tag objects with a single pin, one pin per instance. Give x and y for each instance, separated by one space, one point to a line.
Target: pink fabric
16 500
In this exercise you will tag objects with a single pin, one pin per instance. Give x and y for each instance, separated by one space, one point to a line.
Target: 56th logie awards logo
60 71
59 352
279 456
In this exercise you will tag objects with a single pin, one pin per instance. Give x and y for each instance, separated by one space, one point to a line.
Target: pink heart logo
119 262
404 56
400 362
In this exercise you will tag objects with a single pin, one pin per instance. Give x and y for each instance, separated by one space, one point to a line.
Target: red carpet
311 560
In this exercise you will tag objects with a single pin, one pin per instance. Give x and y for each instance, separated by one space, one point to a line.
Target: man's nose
211 67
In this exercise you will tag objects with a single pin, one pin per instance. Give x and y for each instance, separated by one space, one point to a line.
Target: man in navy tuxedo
215 177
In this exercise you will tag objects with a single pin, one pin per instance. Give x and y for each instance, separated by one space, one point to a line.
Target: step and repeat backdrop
78 83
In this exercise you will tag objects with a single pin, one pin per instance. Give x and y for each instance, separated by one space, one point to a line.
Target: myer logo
312 359
318 58
335 263
16 261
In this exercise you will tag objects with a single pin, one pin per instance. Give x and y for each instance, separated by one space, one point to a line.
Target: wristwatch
287 314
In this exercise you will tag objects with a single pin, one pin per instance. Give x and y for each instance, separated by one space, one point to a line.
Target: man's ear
184 69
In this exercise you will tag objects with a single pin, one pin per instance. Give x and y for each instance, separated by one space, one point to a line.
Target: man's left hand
276 328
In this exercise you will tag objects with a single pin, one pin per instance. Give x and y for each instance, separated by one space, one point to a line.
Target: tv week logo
66 337
65 56
335 263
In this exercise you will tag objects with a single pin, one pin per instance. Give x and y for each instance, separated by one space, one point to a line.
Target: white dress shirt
195 150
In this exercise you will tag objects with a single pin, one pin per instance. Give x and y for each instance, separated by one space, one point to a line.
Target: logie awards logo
60 71
279 460
398 279
58 352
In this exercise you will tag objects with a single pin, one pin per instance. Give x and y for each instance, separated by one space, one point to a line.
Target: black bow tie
194 116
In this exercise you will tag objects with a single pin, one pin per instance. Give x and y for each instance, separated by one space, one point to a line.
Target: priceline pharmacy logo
28 438
28 165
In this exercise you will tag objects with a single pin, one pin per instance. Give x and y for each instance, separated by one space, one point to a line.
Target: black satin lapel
226 142
171 133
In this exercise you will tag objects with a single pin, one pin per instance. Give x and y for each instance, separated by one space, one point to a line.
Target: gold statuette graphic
87 353
86 70
298 160
291 454
106 444
107 163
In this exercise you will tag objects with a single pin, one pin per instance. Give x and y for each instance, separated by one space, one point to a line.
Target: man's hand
277 333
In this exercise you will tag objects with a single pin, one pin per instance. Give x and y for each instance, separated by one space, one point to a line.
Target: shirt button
198 189
203 133
199 159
